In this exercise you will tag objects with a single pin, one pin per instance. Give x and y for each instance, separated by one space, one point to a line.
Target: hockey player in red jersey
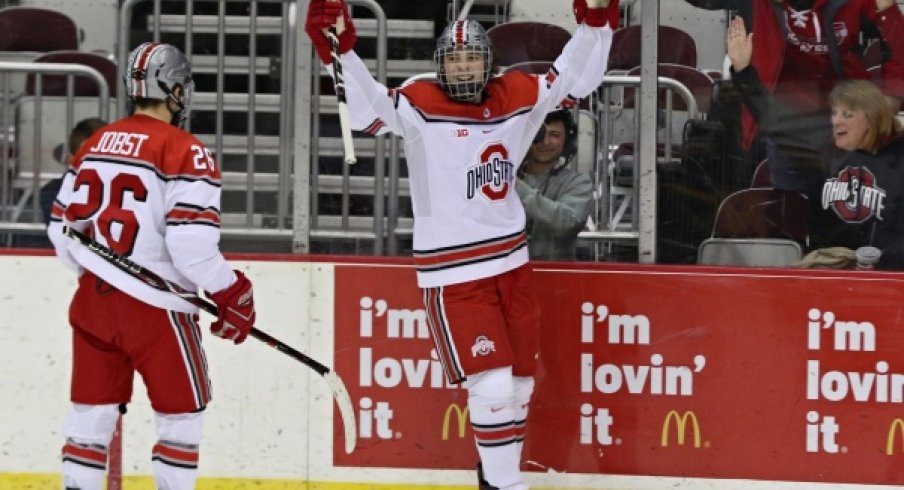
464 135
150 191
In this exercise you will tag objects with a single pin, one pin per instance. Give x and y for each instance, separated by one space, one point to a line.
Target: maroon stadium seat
84 87
761 177
700 85
36 29
675 47
872 55
762 213
535 67
517 42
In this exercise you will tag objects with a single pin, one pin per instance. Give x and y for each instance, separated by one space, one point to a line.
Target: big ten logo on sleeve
120 143
202 158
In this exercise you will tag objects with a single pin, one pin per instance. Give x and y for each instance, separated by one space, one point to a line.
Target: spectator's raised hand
739 44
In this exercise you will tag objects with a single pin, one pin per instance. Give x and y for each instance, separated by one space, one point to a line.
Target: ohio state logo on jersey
493 176
854 195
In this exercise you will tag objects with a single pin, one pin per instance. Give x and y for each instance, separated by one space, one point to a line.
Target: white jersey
462 157
150 192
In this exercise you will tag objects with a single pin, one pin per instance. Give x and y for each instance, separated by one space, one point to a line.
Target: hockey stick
340 393
339 83
465 10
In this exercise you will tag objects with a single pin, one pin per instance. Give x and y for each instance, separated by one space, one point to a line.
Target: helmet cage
463 36
153 71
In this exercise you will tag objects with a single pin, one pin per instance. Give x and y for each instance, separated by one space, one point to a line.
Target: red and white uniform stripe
176 454
90 455
188 335
140 87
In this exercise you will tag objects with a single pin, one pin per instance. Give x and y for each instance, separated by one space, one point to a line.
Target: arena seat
42 124
36 29
763 213
53 107
534 67
517 42
875 74
697 82
751 252
675 46
873 54
56 84
761 177
757 227
25 33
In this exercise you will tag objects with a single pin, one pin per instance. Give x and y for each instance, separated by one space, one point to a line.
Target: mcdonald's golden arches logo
462 414
897 425
681 423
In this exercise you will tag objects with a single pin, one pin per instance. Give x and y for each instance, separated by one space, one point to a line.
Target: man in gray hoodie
556 198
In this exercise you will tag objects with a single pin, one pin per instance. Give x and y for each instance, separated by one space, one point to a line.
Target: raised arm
739 48
369 103
579 69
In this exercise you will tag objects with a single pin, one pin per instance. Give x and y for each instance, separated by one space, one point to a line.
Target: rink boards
649 378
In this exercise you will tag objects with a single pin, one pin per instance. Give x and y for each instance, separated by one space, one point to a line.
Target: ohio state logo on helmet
493 176
854 195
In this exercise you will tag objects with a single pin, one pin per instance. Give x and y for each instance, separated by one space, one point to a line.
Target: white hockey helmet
153 70
465 36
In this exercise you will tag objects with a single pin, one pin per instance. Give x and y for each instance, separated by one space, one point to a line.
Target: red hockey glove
235 305
579 7
594 14
324 14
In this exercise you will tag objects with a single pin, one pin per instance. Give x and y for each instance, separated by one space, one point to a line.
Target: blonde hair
879 109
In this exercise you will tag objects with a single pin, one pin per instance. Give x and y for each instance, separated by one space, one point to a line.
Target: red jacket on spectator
805 53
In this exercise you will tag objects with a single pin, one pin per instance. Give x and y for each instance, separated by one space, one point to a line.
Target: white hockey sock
84 465
524 387
175 466
491 396
88 430
175 456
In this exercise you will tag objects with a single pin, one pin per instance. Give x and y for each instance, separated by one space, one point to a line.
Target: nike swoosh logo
496 409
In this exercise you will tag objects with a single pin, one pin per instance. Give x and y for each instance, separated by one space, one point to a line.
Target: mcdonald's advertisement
699 373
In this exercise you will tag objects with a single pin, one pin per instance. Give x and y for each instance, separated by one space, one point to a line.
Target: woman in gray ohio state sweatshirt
863 197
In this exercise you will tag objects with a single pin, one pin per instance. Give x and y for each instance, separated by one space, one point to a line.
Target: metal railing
319 227
295 184
254 219
610 228
28 118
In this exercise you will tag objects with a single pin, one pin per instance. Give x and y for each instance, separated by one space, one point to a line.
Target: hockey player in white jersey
464 136
150 191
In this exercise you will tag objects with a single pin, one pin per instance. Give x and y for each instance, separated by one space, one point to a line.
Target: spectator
80 132
557 200
863 197
463 138
801 49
